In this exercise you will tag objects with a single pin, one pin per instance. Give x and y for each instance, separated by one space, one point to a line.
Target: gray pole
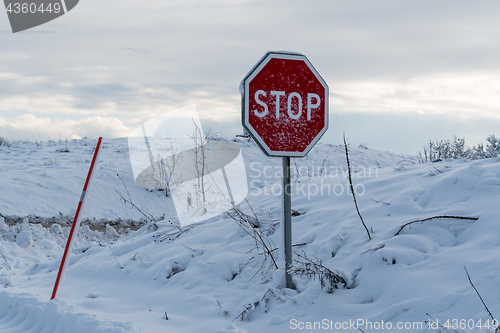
287 220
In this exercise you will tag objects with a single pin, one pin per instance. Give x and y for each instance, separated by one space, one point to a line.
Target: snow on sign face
285 104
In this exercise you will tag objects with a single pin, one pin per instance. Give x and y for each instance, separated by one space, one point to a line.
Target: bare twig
352 188
308 167
477 292
300 244
126 189
172 235
249 308
4 258
263 258
374 249
148 216
341 239
387 203
138 255
252 227
312 268
433 321
187 247
405 160
440 171
280 295
171 163
363 161
263 303
117 262
26 272
297 174
200 162
322 168
437 217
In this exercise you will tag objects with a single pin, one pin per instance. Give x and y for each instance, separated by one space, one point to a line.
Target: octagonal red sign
285 104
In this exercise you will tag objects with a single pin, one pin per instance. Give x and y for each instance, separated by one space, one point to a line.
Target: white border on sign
245 103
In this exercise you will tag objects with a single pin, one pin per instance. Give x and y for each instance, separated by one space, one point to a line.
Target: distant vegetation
5 142
456 149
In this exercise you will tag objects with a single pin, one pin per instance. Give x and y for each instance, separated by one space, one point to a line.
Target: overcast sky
400 72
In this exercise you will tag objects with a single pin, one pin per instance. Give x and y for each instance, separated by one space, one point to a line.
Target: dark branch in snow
477 292
352 188
374 249
148 216
172 235
437 217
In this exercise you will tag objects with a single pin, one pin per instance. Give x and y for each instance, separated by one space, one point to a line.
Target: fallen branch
438 217
352 188
374 249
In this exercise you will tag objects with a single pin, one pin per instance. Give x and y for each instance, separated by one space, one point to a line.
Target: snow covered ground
209 277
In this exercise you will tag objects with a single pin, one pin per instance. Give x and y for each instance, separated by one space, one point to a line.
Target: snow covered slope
209 277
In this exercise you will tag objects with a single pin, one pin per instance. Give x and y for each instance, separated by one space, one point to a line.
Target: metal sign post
287 221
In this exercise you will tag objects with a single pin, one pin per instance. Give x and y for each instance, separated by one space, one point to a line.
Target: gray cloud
132 61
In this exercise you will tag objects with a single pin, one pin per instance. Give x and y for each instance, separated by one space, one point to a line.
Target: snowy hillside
210 277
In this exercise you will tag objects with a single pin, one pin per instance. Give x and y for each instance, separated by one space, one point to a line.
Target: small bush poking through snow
329 280
456 149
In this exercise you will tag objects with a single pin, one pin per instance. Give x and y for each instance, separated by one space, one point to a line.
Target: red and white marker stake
76 222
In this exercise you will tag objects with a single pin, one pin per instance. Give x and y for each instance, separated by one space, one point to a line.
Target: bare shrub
246 314
264 254
313 269
456 149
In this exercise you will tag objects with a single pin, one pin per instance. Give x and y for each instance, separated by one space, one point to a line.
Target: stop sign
285 104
